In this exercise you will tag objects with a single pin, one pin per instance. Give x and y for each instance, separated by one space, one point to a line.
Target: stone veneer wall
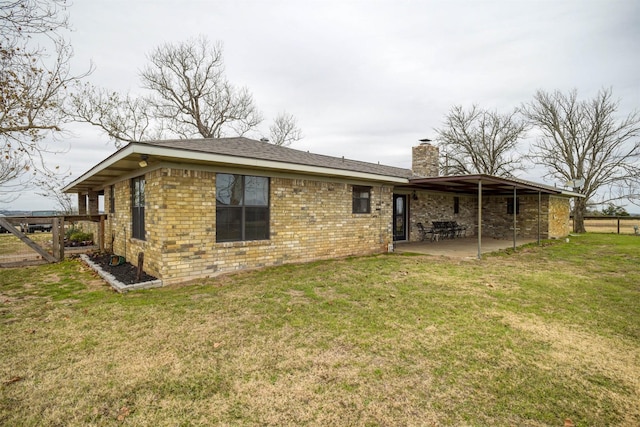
309 220
497 223
559 217
118 228
439 207
424 161
554 215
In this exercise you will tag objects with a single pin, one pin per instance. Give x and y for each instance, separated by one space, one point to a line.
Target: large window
137 207
361 200
242 208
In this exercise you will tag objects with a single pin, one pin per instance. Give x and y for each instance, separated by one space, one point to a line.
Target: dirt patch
126 272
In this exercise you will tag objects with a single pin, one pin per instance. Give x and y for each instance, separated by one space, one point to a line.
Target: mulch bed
125 273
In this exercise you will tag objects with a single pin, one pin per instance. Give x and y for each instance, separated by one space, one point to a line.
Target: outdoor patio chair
444 228
424 232
461 230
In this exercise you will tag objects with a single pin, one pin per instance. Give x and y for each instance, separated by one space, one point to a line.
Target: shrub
80 236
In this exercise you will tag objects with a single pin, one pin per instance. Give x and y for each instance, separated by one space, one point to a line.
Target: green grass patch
531 337
10 244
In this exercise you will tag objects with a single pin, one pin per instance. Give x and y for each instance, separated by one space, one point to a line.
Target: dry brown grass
577 351
606 225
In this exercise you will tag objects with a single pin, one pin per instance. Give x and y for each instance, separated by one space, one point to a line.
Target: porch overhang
483 185
491 185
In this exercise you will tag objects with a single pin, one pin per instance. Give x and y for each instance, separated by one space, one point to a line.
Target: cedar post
57 238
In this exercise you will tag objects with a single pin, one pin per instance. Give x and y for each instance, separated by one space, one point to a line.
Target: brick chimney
425 159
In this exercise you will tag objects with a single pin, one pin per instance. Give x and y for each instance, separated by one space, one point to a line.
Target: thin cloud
368 79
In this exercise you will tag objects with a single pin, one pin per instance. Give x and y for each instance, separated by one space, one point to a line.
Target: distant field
610 225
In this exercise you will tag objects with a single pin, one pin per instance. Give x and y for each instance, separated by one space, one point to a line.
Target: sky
365 79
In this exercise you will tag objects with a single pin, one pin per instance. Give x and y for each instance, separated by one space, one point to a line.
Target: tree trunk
578 215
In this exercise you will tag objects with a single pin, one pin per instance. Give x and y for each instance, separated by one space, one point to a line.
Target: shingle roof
252 149
231 150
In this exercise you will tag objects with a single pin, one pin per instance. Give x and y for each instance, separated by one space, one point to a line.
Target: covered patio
499 222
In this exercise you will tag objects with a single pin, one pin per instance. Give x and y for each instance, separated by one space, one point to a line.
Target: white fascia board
115 157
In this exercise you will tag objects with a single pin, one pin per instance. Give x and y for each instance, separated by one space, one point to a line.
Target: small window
361 200
456 205
242 208
510 206
112 199
137 207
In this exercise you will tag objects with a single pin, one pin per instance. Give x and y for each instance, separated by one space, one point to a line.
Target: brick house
197 208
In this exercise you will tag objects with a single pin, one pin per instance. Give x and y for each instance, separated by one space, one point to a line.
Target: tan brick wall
309 220
118 229
318 215
181 213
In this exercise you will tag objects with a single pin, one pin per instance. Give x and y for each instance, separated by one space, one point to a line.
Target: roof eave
187 156
109 161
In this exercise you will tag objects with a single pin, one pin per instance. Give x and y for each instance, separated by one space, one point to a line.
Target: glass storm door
399 217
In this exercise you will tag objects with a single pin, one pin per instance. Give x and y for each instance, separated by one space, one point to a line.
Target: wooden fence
37 239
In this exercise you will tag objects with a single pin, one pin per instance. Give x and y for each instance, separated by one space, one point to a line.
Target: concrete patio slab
466 247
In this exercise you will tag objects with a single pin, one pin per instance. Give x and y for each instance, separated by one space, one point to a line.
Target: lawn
11 245
545 336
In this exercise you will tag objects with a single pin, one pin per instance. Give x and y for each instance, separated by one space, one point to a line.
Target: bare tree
585 140
191 93
20 17
284 130
33 83
122 118
51 188
480 141
11 168
188 96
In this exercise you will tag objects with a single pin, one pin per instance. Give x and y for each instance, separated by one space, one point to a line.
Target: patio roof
488 185
491 185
